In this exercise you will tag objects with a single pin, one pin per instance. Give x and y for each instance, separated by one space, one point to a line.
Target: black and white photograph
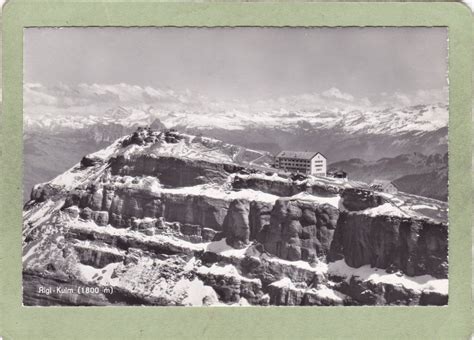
235 166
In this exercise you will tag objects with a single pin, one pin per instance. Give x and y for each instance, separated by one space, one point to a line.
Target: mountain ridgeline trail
166 218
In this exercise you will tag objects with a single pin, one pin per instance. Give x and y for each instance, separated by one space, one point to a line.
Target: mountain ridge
166 218
424 175
84 118
424 111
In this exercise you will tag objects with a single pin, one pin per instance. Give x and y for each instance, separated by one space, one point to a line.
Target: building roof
299 154
337 171
380 183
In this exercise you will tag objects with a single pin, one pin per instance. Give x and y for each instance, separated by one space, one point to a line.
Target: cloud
37 94
335 93
420 97
95 99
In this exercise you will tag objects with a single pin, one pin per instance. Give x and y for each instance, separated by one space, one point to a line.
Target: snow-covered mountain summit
66 122
64 107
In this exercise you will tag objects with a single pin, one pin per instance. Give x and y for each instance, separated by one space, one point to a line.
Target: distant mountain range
57 109
64 122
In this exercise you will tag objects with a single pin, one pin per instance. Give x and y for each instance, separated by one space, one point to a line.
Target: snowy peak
171 143
66 107
117 113
168 143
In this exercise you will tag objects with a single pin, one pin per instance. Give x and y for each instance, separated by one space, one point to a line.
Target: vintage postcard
248 166
304 167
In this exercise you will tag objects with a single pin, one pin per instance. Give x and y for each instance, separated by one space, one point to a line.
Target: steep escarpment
413 246
295 228
291 228
356 195
173 171
299 230
281 185
164 218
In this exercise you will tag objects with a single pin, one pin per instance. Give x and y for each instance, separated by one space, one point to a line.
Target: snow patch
160 238
386 209
42 213
227 270
423 206
102 276
323 292
223 249
283 283
195 292
75 176
319 267
376 275
218 192
99 247
334 200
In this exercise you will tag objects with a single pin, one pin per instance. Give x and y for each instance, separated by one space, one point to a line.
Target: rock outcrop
206 212
172 171
284 187
292 229
154 224
236 224
299 230
358 199
41 193
416 247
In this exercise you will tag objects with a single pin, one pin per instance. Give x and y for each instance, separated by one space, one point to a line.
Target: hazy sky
242 63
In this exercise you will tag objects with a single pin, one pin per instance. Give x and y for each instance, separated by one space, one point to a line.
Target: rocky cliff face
52 151
411 245
299 230
164 218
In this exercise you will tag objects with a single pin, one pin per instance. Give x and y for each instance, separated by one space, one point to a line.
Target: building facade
311 163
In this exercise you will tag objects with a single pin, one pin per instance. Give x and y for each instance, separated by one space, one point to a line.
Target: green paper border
453 321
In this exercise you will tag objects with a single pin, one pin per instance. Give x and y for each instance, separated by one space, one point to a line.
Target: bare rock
86 214
101 218
290 234
416 247
360 199
236 224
